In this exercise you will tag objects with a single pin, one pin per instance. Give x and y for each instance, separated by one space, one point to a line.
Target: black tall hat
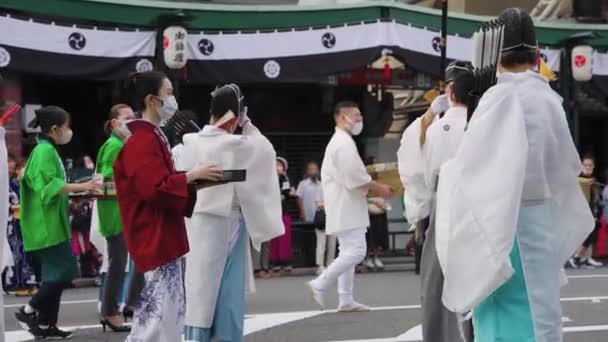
520 33
457 69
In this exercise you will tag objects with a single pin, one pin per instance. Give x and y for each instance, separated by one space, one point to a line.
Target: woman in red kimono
154 199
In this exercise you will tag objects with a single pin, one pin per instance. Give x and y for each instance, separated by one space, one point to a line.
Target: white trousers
325 243
353 249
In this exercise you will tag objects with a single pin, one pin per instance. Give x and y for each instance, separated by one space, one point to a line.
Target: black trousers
47 301
592 238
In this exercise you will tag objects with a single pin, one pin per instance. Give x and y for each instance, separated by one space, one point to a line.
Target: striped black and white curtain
293 55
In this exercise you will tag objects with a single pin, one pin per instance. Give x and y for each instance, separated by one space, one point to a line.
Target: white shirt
309 193
443 138
343 177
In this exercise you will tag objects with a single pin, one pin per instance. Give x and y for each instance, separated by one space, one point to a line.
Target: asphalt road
282 310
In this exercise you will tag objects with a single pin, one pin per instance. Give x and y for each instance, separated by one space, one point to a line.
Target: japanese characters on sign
174 46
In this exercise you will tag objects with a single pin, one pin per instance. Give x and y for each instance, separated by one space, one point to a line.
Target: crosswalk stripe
587 276
258 322
67 302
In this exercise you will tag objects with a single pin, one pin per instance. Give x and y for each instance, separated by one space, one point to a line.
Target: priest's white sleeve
575 220
259 195
478 201
416 195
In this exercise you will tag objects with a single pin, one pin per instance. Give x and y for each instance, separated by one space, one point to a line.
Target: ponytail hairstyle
114 114
141 84
49 116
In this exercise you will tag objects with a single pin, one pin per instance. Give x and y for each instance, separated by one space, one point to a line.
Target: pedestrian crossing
267 322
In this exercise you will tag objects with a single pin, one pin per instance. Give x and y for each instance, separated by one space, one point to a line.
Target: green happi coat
44 213
110 223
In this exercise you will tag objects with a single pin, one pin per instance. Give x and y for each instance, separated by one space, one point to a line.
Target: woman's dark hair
519 57
140 85
114 114
462 87
224 99
49 116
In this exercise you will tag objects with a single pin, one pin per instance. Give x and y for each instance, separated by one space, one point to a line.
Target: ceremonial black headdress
487 47
456 69
225 98
519 31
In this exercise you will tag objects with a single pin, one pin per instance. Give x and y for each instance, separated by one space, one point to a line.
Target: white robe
517 148
343 180
419 166
423 163
259 200
417 196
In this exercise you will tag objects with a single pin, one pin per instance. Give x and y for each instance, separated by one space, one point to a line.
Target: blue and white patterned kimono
511 212
159 314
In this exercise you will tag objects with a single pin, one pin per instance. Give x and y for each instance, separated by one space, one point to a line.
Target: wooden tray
91 196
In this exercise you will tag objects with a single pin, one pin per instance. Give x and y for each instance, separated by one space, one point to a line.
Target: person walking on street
110 224
345 183
153 199
45 223
583 258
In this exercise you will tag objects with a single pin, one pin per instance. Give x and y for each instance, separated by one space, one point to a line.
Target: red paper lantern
387 70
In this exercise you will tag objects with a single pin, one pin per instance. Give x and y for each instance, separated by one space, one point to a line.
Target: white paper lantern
582 63
174 47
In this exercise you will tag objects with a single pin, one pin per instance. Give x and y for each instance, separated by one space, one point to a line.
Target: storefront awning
352 37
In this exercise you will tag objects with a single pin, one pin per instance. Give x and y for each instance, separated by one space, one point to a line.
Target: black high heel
115 328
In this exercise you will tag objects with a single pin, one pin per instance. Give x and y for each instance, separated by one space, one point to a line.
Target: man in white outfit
345 184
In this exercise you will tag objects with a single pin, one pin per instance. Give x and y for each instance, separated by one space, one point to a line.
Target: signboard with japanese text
174 47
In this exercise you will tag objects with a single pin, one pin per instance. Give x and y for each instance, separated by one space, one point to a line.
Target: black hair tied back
49 116
141 84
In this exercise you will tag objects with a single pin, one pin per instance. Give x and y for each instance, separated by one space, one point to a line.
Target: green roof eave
549 33
145 13
204 16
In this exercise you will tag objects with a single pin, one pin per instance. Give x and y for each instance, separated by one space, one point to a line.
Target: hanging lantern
582 63
387 65
174 47
387 70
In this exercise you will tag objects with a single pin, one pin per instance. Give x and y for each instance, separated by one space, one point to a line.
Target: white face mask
65 137
169 107
122 130
355 127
